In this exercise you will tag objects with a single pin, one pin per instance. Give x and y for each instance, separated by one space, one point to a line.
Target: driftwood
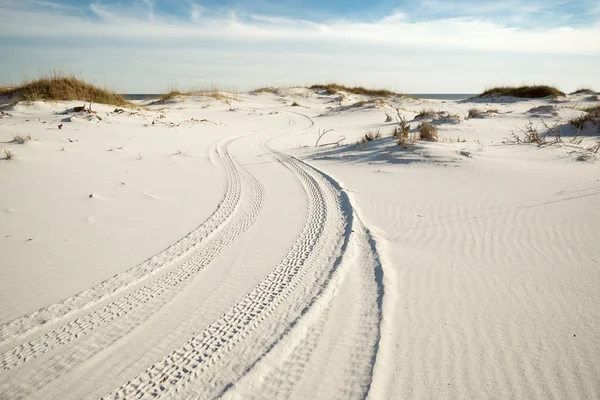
333 143
322 133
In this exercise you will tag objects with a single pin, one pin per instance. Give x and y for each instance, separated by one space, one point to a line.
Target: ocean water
135 96
432 96
442 96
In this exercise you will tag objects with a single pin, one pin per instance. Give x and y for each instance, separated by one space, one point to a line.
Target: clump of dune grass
590 114
426 113
524 92
427 131
268 89
369 137
407 142
334 88
20 139
171 95
584 90
474 112
58 86
217 94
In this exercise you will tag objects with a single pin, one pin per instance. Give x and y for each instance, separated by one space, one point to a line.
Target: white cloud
395 31
100 11
458 54
150 4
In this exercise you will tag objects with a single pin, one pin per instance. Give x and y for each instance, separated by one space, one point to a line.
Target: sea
426 96
442 96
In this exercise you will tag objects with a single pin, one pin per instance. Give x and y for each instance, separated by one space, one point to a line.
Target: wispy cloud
150 4
393 32
337 43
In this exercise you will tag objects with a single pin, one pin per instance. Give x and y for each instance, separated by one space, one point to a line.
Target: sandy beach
205 247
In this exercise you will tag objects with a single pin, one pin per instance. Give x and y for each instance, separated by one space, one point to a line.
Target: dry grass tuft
427 132
474 112
369 137
524 92
58 86
407 142
20 139
402 129
8 155
426 113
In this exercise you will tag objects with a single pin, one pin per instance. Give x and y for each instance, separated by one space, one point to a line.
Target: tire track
310 257
159 291
224 211
340 332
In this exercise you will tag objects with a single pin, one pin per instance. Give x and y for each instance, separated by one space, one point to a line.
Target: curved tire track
159 291
225 209
298 276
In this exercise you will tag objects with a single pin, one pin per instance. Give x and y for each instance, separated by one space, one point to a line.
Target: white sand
222 255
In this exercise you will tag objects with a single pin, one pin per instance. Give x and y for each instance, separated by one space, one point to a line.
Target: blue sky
410 46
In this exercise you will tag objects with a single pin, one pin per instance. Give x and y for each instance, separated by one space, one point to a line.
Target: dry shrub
403 128
428 131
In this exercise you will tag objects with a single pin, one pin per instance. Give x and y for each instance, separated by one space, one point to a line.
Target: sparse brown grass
450 139
20 139
217 94
8 155
427 132
59 86
584 90
171 95
426 113
268 89
401 130
474 112
334 88
407 142
524 92
590 114
369 137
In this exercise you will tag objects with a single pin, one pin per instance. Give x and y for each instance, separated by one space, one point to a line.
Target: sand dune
205 248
